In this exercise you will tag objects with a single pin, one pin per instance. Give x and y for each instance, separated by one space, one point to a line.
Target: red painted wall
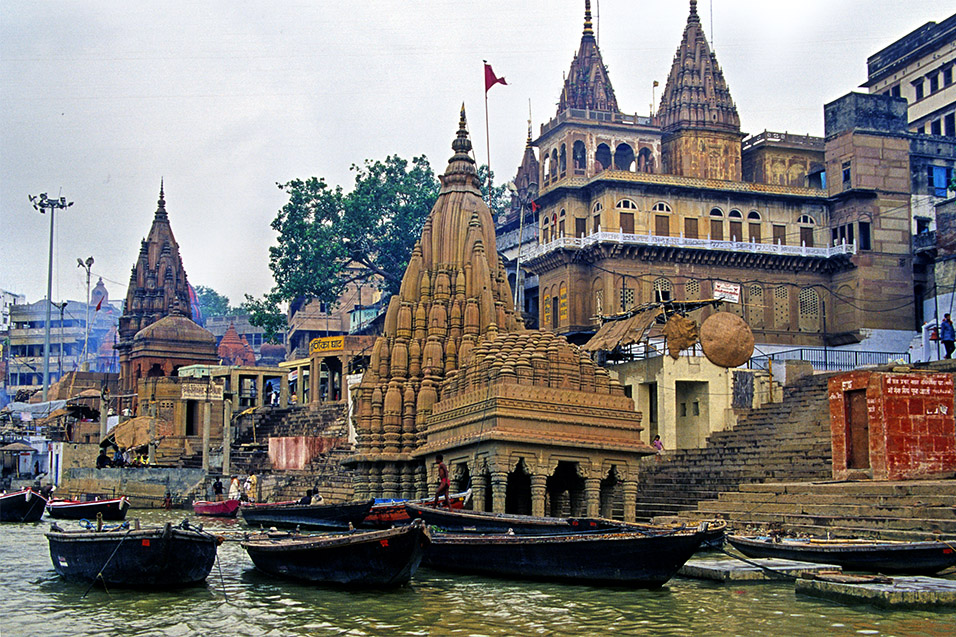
295 452
912 431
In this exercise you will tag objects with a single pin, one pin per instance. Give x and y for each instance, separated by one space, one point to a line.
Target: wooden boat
386 513
633 559
878 556
368 558
162 557
483 522
25 505
323 516
221 509
112 509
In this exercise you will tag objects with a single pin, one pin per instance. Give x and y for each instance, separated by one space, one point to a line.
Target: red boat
386 513
112 509
221 509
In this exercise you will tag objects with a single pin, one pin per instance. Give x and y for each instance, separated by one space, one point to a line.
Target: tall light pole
42 204
86 337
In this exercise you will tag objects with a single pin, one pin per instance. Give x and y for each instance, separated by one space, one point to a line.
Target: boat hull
221 509
917 558
112 510
22 506
322 516
386 514
385 558
631 559
168 557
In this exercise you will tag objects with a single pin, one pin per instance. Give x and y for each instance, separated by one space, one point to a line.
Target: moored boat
323 516
162 557
632 559
113 509
365 558
25 505
385 513
878 556
221 509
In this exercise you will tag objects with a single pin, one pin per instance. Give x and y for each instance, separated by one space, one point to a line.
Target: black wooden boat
632 559
460 521
113 509
361 559
25 505
323 516
878 556
162 557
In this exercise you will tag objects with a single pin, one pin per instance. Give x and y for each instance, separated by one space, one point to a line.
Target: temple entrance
565 489
858 430
518 491
192 417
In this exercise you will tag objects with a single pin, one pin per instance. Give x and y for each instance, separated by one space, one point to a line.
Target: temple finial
161 204
588 30
693 9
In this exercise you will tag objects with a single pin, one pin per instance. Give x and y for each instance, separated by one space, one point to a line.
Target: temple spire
587 85
588 30
161 203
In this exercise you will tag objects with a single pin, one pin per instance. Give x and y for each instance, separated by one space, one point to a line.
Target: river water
35 601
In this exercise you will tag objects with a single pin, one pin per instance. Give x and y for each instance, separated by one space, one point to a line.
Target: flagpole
488 145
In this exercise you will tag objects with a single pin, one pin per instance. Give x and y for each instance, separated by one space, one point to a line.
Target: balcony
619 238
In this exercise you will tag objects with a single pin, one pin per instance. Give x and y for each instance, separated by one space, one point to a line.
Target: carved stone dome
175 328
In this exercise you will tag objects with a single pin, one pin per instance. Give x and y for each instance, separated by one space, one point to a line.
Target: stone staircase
911 510
779 442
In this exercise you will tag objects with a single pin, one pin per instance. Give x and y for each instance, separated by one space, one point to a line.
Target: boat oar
99 574
222 582
770 571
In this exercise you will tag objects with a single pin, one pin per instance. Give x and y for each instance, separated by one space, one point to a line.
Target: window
922 225
661 207
933 83
662 225
865 235
736 231
627 298
781 307
755 309
690 228
692 290
627 222
662 289
949 125
846 176
936 127
779 235
918 86
580 227
753 215
546 230
626 204
938 178
806 237
561 217
596 210
754 232
716 212
947 76
809 306
895 91
716 230
735 214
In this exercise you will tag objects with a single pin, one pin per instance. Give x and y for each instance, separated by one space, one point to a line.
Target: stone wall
145 487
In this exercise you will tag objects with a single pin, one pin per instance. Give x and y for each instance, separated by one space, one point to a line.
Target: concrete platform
732 570
914 591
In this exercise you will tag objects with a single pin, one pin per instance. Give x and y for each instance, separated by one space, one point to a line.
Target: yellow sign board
327 344
563 303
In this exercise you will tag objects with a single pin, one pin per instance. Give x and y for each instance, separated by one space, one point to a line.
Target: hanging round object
726 339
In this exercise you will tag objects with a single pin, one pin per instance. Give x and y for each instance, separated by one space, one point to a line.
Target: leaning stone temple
525 419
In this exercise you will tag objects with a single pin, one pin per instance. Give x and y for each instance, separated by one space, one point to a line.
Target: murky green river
35 601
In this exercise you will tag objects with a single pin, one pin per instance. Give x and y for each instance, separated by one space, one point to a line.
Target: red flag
99 305
534 206
491 79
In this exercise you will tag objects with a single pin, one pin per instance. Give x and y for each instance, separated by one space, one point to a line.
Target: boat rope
770 571
99 574
89 526
222 581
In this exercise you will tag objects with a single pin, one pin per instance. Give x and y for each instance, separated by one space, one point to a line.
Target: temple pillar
360 483
390 477
374 480
226 435
408 481
315 378
592 496
421 481
499 489
206 426
539 492
629 487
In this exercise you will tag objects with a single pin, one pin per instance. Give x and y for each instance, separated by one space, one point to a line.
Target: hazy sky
100 100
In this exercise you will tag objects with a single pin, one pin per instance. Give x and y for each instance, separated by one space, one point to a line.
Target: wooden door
857 430
662 226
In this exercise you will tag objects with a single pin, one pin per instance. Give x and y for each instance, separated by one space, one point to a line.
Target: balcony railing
620 238
830 359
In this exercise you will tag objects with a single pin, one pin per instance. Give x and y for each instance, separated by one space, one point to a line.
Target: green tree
328 239
500 199
211 303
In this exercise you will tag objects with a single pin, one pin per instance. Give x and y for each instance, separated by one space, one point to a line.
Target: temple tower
702 135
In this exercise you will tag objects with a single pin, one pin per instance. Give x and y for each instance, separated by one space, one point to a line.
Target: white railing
578 243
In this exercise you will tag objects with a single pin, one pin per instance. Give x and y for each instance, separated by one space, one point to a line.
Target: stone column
226 435
151 454
408 481
390 476
206 425
630 499
592 495
478 493
539 490
499 489
104 410
360 483
315 379
343 377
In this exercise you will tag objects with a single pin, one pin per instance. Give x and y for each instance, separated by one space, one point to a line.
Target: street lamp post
86 337
42 203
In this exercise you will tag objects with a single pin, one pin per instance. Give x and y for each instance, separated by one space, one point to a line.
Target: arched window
806 223
545 167
554 227
645 161
596 219
662 289
735 214
579 157
554 163
753 219
806 220
561 222
660 206
716 224
545 229
603 157
755 309
753 215
809 310
563 159
717 212
692 290
781 307
624 157
627 204
736 225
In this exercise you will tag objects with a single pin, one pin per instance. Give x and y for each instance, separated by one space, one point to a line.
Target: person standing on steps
947 334
442 481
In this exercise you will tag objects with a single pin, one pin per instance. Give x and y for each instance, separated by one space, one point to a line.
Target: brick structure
892 426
